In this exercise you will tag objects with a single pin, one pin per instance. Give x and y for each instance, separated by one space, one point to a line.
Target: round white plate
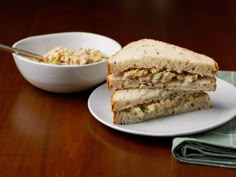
224 109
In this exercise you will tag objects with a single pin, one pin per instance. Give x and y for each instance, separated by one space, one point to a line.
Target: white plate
224 109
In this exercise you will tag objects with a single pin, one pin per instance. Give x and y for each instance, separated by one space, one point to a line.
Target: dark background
207 27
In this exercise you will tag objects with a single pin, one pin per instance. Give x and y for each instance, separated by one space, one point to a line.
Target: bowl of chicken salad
73 61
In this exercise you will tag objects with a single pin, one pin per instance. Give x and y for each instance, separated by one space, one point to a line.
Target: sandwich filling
164 107
162 76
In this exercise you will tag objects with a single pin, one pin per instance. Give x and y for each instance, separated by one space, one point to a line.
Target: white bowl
64 78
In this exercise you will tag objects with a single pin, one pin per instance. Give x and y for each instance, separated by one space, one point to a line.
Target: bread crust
109 83
113 101
108 67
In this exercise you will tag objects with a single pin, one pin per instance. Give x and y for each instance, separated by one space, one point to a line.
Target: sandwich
151 64
137 105
151 79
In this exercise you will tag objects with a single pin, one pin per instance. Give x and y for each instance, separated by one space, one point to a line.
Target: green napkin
216 147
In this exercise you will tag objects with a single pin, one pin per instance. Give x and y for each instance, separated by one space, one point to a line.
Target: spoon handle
22 53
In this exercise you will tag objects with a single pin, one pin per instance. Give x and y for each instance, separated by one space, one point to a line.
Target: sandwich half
149 64
137 105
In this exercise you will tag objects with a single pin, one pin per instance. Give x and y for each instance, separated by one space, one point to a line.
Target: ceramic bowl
64 78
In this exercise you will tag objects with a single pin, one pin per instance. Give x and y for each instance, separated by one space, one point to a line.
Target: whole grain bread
149 53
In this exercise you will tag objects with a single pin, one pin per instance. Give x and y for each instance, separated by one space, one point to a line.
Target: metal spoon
24 53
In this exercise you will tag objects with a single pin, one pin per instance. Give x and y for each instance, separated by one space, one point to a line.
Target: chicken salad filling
64 56
163 76
140 110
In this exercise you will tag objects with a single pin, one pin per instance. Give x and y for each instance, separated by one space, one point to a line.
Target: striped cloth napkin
216 147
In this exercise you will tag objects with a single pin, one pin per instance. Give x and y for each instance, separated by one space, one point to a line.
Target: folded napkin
216 147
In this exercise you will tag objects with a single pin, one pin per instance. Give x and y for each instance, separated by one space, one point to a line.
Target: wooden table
44 134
